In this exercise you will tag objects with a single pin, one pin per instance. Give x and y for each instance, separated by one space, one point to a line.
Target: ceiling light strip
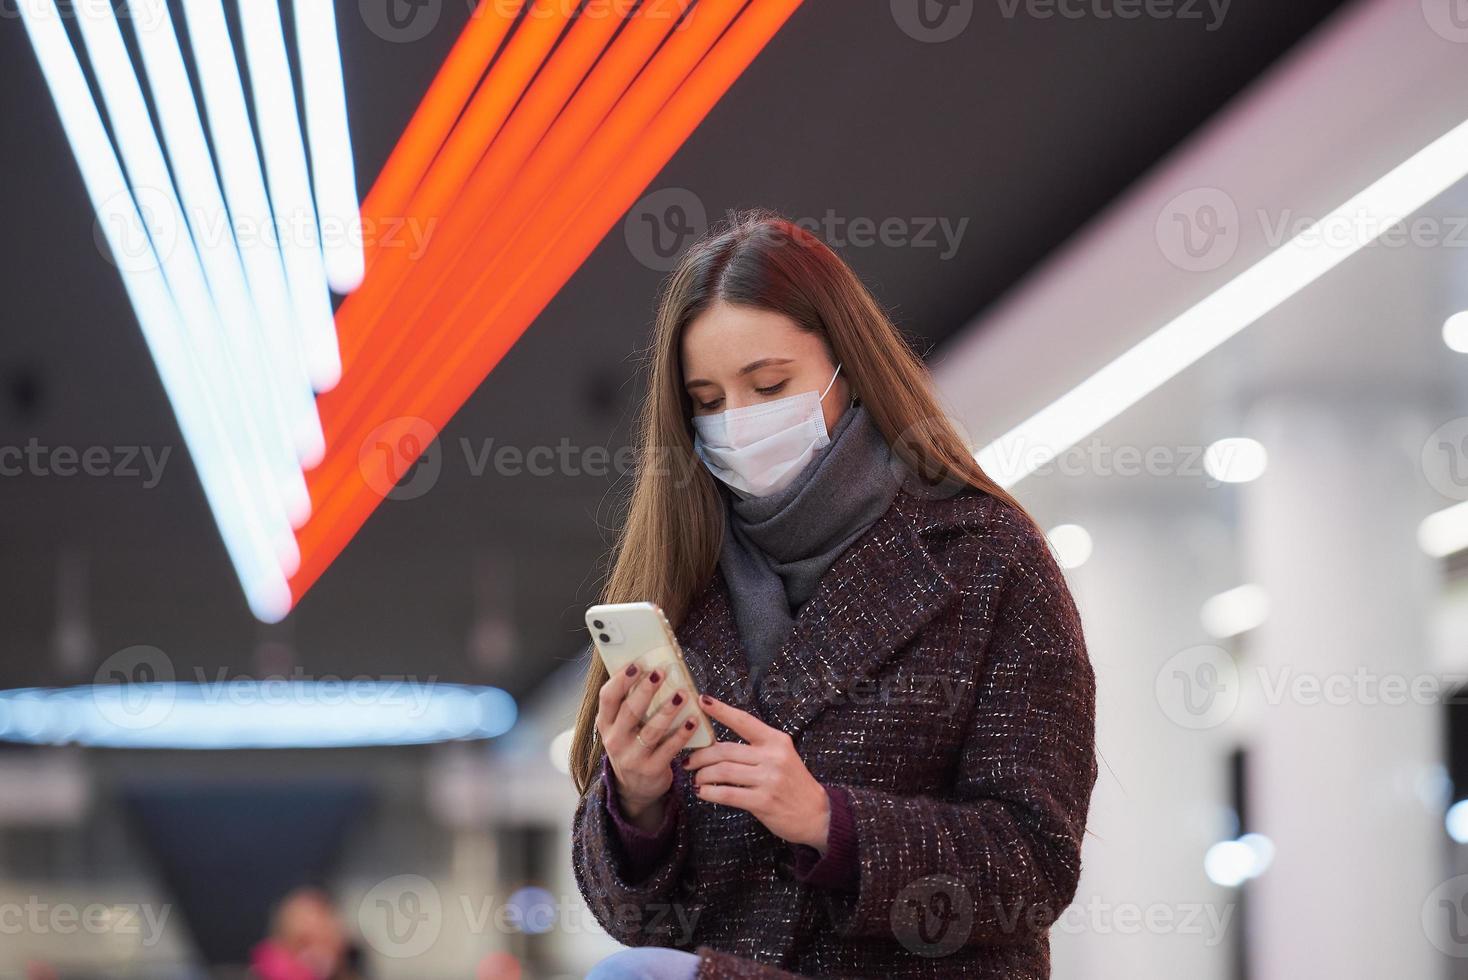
209 222
1243 300
244 189
142 157
119 221
573 229
273 90
333 173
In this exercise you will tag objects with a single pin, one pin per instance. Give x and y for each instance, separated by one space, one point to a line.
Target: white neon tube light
249 548
332 173
290 190
214 237
1263 286
143 160
244 190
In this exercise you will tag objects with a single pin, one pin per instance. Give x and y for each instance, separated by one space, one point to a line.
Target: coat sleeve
999 854
651 909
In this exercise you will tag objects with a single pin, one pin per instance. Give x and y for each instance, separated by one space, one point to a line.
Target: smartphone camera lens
604 638
598 624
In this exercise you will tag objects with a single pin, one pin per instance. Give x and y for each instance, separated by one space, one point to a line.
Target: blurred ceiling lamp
1071 544
1236 611
1238 303
1230 863
1444 532
518 177
238 322
1235 460
1455 332
255 714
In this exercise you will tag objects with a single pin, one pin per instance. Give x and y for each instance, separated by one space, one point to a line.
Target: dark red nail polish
706 699
678 698
631 669
688 725
654 676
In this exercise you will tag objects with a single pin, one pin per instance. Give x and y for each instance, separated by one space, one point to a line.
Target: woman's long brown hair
669 545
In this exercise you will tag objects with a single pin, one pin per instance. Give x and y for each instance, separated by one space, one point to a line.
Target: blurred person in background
307 941
811 523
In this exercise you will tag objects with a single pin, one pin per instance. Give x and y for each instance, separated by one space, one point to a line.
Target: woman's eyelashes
765 392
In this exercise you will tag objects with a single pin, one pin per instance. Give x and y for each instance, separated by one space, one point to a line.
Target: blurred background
1266 546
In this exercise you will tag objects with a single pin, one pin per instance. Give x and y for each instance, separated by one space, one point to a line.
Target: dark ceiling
1016 131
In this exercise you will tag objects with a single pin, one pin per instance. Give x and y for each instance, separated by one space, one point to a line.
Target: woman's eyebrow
749 368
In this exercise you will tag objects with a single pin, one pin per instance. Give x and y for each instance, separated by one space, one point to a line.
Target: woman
887 649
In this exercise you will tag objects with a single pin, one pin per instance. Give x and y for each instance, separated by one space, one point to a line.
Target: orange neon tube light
501 302
508 232
437 113
514 140
483 229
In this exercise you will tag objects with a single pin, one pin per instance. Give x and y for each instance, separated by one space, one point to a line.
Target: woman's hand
641 754
765 777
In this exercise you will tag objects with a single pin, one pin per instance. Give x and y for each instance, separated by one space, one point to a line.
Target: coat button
784 869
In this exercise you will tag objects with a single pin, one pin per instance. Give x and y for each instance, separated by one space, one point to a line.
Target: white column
1145 910
1336 756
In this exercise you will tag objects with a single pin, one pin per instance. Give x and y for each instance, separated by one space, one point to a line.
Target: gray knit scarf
779 546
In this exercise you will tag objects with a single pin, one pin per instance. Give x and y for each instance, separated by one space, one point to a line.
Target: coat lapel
877 595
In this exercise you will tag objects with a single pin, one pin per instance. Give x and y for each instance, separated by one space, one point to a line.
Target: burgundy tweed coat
940 675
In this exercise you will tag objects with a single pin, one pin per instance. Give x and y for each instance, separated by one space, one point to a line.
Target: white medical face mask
759 449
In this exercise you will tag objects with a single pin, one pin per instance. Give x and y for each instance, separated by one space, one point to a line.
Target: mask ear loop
831 382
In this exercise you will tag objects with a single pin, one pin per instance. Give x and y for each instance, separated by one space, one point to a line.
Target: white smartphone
628 632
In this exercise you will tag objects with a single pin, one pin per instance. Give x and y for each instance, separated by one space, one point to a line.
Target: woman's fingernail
706 699
688 725
631 669
678 698
654 677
